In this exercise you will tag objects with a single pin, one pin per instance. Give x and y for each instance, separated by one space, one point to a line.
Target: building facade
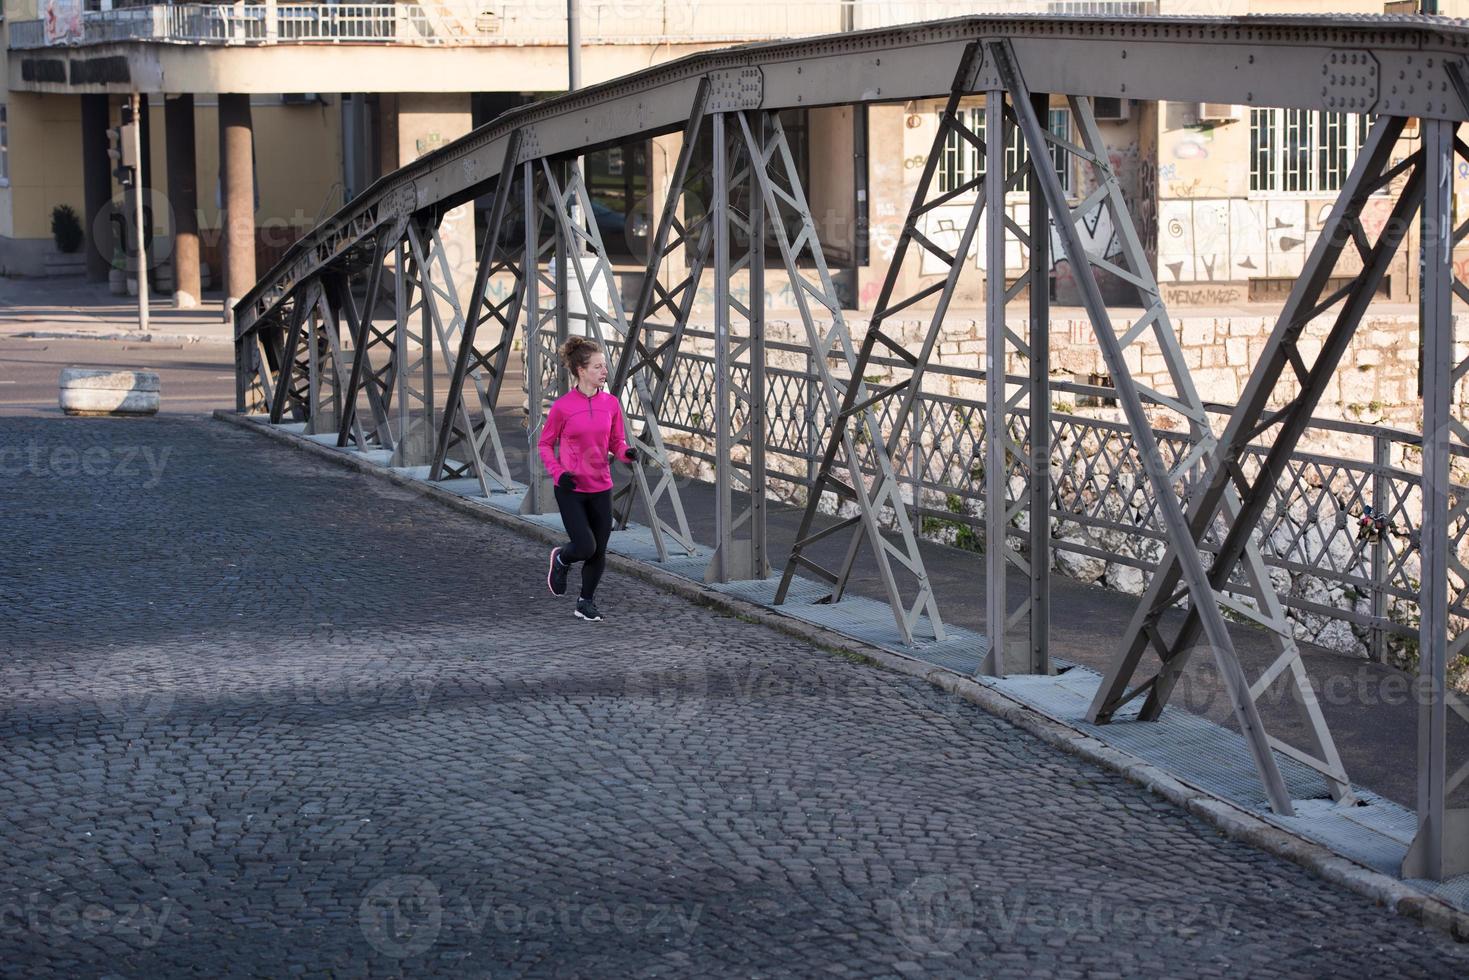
316 101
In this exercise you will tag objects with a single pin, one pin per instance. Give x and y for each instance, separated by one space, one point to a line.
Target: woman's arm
616 438
550 434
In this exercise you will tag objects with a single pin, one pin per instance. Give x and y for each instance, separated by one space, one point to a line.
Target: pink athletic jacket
583 430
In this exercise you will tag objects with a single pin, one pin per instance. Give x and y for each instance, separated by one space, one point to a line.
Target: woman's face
594 372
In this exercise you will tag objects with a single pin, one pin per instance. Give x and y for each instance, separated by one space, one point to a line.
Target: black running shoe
556 574
586 609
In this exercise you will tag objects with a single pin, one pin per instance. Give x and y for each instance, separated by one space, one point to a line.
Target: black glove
566 481
634 456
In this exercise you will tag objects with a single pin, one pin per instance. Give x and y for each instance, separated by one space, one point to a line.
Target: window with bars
1302 151
4 144
962 162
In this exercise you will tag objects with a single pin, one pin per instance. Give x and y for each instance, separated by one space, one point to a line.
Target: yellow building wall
298 160
45 161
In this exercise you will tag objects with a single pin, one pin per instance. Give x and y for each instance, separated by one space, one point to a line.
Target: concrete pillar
97 185
183 200
238 221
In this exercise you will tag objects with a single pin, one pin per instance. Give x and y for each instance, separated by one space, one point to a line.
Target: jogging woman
582 429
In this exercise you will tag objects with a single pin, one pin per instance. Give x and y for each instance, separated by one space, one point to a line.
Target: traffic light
114 150
120 149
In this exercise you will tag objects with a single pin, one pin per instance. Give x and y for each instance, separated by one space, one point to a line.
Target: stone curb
152 337
1231 820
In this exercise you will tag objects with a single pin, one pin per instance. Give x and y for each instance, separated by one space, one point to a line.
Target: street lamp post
139 107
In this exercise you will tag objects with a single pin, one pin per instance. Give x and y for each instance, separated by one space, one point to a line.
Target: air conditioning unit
301 98
1220 112
1111 110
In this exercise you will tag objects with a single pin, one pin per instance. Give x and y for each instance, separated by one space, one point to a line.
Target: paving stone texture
266 717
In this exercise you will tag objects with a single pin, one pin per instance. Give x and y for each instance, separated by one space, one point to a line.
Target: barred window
962 162
1301 151
4 143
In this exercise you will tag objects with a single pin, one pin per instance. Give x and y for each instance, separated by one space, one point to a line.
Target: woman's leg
599 514
574 514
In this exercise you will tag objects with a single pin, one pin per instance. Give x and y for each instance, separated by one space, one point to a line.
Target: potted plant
66 229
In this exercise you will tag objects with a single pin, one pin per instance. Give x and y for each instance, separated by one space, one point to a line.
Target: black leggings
588 519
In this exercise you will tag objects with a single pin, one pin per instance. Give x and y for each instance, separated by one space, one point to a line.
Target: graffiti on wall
1233 239
944 226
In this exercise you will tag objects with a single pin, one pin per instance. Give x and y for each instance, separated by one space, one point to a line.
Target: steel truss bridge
322 338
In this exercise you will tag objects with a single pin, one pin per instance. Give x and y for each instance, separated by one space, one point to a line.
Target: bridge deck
1199 745
266 711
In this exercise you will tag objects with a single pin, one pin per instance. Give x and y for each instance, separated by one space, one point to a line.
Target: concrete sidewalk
80 309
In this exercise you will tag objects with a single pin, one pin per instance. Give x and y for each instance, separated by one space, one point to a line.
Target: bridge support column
183 202
236 160
1440 848
545 269
739 342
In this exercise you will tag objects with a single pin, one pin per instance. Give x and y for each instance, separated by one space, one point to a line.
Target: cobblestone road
262 717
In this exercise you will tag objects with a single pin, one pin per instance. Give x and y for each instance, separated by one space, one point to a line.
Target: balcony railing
522 22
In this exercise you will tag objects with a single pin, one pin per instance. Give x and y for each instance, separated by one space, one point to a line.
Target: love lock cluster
1371 525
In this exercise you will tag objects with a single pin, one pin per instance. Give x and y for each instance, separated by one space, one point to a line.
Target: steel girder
413 411
1226 488
438 291
856 405
291 385
737 210
545 328
1440 849
864 449
484 364
1242 511
1344 63
258 358
660 306
1017 434
1000 66
371 341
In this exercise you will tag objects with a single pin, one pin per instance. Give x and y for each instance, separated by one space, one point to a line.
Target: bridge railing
1104 518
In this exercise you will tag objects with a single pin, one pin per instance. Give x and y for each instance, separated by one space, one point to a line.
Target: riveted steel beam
1129 397
1440 848
1301 62
484 364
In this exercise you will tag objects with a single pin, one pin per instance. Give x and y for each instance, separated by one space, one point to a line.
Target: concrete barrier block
100 391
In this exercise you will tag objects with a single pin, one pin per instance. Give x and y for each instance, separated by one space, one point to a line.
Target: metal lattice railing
1325 570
